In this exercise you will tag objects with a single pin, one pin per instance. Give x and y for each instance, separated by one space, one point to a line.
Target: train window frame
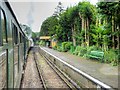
15 34
20 37
3 39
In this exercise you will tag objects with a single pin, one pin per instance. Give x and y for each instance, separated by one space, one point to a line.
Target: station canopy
45 37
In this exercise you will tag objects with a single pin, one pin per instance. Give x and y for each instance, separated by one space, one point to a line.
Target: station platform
105 73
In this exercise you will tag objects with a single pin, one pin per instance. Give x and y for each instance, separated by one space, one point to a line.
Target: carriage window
15 34
3 38
20 38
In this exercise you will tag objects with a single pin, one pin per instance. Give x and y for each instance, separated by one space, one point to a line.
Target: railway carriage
14 45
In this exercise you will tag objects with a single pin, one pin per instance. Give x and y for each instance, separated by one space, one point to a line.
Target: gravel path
31 78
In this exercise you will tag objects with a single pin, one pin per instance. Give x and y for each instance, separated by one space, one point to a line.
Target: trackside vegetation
86 30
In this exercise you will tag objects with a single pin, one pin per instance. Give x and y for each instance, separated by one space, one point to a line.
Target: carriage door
3 52
15 53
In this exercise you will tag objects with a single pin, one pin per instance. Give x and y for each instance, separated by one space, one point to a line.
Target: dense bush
42 43
55 47
91 48
111 57
66 46
117 51
72 49
80 51
77 50
59 48
83 51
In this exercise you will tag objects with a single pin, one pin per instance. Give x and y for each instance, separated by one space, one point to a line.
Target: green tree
48 27
35 36
69 22
58 10
112 10
86 13
65 26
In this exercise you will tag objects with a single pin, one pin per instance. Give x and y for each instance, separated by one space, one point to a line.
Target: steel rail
39 73
70 83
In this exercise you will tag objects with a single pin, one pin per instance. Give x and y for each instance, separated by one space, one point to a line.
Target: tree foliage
49 26
58 10
85 24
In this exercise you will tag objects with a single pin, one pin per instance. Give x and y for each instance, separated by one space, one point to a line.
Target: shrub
42 43
117 51
89 49
77 49
55 47
83 51
72 49
66 46
80 51
59 48
111 57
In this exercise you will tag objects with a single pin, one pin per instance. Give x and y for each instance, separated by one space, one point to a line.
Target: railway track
48 74
31 77
39 72
69 82
82 79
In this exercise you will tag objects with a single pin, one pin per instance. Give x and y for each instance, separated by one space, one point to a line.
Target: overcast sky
34 12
